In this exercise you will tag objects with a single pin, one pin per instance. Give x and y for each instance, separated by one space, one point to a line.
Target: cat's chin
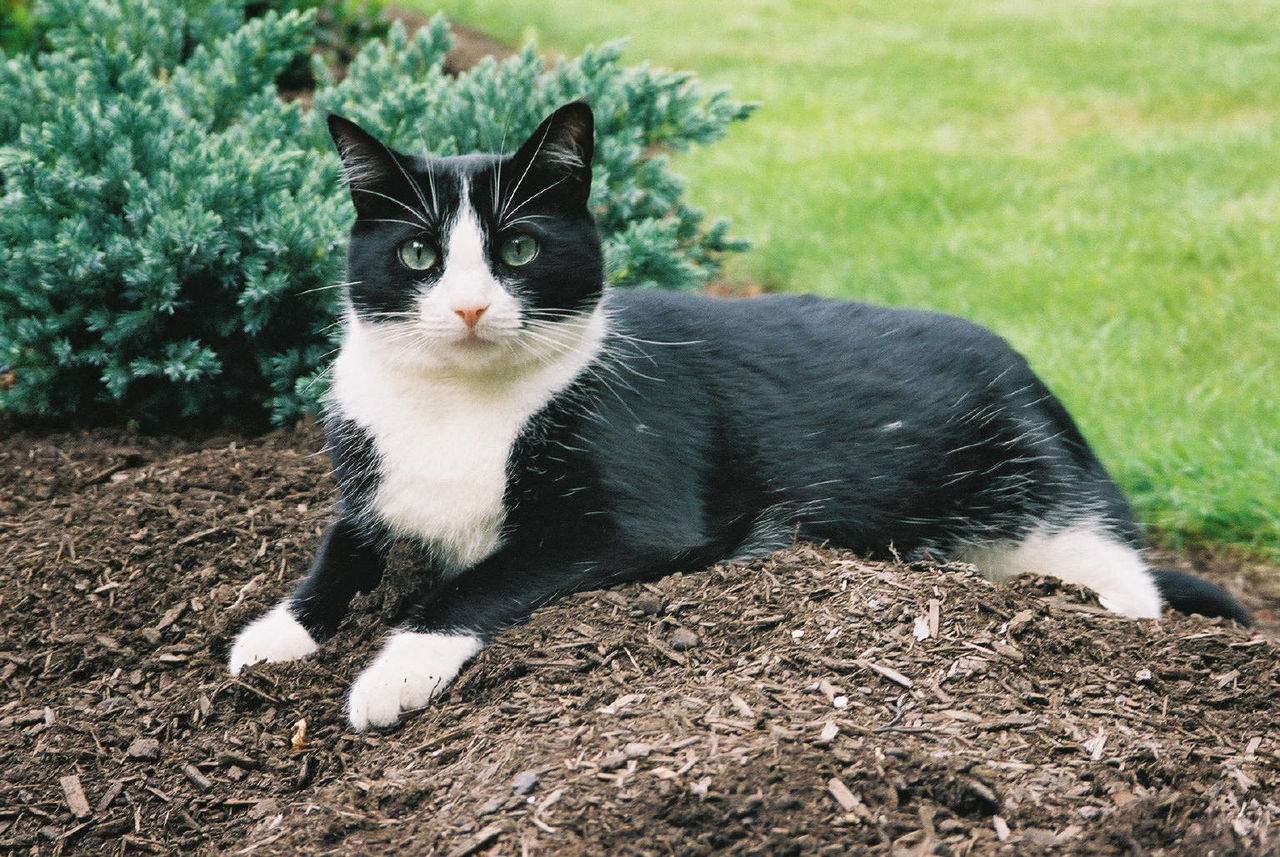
475 358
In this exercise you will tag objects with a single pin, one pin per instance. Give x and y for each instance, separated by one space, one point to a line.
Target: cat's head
475 260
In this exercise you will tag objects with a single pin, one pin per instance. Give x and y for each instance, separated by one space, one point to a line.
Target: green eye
519 250
417 255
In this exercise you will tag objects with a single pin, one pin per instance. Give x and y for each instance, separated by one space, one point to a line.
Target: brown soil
785 706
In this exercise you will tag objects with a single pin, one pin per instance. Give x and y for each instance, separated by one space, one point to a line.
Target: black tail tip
1187 593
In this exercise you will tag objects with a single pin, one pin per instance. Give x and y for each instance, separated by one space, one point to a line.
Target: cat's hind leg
345 563
1083 554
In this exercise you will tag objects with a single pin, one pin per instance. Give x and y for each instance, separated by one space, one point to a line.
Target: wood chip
197 779
298 734
492 805
729 722
550 800
525 781
74 793
1095 745
637 750
144 748
113 792
1001 827
195 537
173 614
667 650
888 672
483 838
1227 678
958 714
1020 620
921 628
620 703
1008 651
848 800
227 758
682 639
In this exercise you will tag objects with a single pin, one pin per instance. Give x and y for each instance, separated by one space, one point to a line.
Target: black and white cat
540 434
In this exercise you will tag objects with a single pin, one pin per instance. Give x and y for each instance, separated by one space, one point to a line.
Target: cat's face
477 261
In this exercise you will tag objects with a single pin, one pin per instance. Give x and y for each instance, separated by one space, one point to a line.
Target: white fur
274 636
411 669
1083 555
444 403
466 283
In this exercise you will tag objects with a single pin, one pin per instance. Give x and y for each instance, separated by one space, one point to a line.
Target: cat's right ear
368 166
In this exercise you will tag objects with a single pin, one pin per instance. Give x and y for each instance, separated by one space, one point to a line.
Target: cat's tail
1187 593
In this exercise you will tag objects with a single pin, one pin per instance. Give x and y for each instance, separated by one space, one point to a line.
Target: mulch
811 702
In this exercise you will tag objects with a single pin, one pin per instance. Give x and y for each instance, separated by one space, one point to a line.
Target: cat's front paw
410 669
274 636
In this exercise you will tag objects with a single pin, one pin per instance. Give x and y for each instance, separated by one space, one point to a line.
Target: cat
537 433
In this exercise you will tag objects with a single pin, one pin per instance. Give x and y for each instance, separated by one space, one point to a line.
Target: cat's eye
519 250
417 255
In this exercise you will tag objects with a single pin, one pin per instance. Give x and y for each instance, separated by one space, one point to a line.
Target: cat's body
539 434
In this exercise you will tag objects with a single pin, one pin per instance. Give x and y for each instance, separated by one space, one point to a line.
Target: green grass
1097 181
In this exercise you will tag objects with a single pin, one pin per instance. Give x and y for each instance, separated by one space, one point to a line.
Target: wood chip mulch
807 703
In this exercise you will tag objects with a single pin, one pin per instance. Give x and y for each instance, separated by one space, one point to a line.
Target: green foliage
170 231
342 27
18 31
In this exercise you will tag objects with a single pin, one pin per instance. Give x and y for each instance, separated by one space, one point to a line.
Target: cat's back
778 368
803 335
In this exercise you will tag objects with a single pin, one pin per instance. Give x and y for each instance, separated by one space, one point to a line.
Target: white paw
410 669
273 636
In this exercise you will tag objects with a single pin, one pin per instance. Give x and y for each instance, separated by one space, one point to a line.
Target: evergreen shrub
18 32
171 232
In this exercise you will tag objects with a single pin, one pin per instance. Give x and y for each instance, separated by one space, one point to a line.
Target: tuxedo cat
537 433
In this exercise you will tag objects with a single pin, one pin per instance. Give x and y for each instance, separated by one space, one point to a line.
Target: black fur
1190 594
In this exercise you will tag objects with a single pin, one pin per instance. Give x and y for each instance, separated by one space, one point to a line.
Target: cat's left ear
562 148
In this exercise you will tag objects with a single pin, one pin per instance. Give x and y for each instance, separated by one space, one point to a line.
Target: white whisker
503 213
421 217
417 189
530 199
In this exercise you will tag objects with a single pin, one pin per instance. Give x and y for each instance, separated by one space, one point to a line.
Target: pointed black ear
562 146
367 163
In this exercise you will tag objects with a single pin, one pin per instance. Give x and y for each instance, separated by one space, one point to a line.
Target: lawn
1098 182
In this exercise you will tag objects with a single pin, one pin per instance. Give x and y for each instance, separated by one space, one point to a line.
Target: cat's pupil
417 255
519 250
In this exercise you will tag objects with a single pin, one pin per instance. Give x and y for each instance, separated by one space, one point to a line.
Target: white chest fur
444 437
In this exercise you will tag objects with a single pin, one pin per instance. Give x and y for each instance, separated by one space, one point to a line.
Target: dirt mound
807 703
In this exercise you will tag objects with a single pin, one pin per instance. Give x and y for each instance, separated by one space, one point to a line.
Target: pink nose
470 315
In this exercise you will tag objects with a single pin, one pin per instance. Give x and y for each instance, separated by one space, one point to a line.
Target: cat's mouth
472 339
